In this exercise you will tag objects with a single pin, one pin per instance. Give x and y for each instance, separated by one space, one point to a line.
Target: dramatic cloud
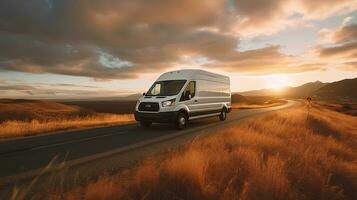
269 16
350 66
345 34
114 39
317 9
16 87
348 50
265 61
341 43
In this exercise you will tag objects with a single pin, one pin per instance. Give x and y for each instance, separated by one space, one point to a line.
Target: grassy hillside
237 98
11 129
300 91
25 110
299 153
30 117
347 108
305 89
248 102
339 91
345 90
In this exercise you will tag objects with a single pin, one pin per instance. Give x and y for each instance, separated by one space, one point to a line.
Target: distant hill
300 91
21 109
262 92
133 96
115 105
253 100
340 90
344 90
305 89
237 98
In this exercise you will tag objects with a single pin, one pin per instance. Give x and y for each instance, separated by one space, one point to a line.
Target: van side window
189 90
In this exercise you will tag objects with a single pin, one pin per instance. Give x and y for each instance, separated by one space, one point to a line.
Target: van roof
189 74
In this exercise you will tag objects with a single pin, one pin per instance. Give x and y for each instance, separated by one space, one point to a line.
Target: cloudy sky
88 48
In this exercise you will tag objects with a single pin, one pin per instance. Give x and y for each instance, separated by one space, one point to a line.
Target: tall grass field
14 128
299 153
20 117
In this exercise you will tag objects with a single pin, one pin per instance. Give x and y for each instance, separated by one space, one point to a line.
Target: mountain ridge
342 89
299 91
345 89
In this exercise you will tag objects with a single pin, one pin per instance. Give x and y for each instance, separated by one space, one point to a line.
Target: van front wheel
181 121
223 115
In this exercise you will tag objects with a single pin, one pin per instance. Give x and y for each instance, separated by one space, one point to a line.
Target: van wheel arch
183 111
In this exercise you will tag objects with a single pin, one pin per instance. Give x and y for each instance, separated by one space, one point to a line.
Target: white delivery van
183 95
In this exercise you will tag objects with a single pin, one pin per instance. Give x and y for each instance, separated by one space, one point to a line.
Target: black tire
181 121
146 124
223 115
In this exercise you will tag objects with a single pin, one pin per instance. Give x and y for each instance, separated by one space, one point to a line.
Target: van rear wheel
223 115
181 121
146 124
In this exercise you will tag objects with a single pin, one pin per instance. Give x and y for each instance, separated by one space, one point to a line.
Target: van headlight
167 103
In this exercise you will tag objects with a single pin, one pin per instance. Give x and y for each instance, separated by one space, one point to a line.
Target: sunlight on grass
33 127
291 154
266 104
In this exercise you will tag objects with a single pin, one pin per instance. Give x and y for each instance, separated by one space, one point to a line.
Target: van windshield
166 88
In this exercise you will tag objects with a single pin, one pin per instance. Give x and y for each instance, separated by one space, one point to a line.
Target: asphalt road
79 155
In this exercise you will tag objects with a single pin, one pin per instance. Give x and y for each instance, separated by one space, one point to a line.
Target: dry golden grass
349 108
14 128
20 117
27 110
291 154
265 104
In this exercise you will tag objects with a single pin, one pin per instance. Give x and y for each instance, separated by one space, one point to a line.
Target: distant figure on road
308 99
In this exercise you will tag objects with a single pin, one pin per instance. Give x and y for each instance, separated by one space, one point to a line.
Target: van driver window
156 89
166 88
189 90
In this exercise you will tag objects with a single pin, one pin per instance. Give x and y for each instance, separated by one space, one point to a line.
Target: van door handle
196 100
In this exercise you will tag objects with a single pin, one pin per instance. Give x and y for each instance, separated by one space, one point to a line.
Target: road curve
86 153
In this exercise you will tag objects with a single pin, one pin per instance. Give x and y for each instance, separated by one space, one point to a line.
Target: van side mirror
143 93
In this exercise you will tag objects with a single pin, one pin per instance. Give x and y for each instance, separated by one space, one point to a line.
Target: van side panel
213 89
212 96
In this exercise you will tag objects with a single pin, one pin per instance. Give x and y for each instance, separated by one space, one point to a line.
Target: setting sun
276 82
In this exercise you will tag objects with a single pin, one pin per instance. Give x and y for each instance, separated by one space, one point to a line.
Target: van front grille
149 106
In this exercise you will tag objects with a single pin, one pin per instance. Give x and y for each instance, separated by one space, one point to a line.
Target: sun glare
276 82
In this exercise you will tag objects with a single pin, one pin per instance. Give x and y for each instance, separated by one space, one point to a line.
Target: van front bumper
160 117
